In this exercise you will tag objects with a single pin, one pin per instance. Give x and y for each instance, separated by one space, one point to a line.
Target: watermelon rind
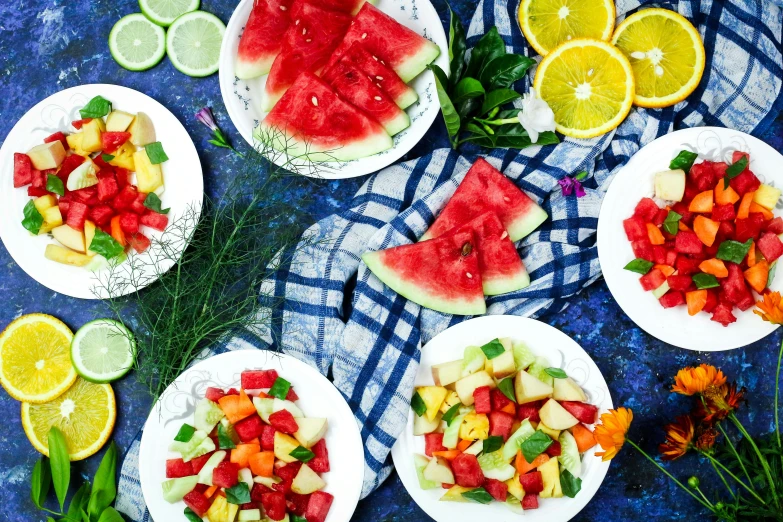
524 225
251 61
505 285
398 124
416 64
297 147
407 99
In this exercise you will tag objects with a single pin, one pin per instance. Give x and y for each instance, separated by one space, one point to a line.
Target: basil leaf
450 414
772 269
191 516
507 387
33 220
98 107
672 222
79 502
479 495
735 170
238 494
457 48
185 433
302 454
417 403
493 443
155 153
40 482
493 348
297 518
105 245
503 71
570 484
487 49
55 185
104 488
467 88
450 115
684 161
640 266
497 98
153 202
60 464
557 373
734 251
535 445
703 281
280 388
107 157
224 439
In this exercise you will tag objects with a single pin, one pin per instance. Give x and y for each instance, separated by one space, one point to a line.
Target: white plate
182 175
242 96
563 352
317 396
635 181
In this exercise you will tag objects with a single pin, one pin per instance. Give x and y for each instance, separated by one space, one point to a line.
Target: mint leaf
684 160
493 349
493 443
98 107
302 454
640 266
238 494
417 403
55 185
734 251
33 220
280 388
570 484
557 373
450 414
479 495
155 153
735 170
224 439
185 433
107 157
507 387
672 222
191 516
105 245
703 281
153 202
535 445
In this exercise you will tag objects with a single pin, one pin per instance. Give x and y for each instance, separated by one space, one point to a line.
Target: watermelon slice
442 274
262 38
397 46
486 189
356 87
312 120
344 6
307 45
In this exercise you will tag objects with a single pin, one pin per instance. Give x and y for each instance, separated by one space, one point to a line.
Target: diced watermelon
530 501
682 209
284 422
467 472
671 258
111 141
249 428
69 165
481 396
745 182
554 449
88 196
138 204
36 192
78 124
722 314
775 226
532 483
77 215
258 379
724 212
671 299
679 282
197 502
433 442
297 504
107 188
291 395
214 394
129 222
770 247
635 228
318 507
499 400
725 230
225 475
660 217
64 206
659 254
23 170
139 242
289 471
122 177
268 438
58 136
687 265
320 464
646 209
735 288
101 214
703 176
749 228
154 220
529 411
198 462
584 413
500 424
176 468
274 505
38 179
497 489
712 300
652 280
256 494
125 198
688 242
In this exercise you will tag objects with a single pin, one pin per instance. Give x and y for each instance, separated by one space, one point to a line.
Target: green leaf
479 136
192 516
55 185
672 222
185 433
557 373
224 439
297 518
467 88
703 281
498 98
450 115
582 175
734 251
98 107
33 220
153 202
503 71
514 136
735 170
40 482
79 502
107 157
684 161
156 153
302 454
487 49
238 494
417 403
492 443
640 266
457 48
111 515
468 108
507 387
772 269
60 464
450 414
570 484
104 488
479 495
105 245
535 445
280 388
493 349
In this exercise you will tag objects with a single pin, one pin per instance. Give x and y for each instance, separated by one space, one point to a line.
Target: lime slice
193 43
136 43
103 350
164 12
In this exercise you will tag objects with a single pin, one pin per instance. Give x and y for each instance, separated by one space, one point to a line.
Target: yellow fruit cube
454 494
515 487
549 431
149 177
75 143
451 399
119 121
474 427
91 135
767 196
47 155
52 219
89 235
45 202
65 256
284 445
222 511
433 397
123 157
550 473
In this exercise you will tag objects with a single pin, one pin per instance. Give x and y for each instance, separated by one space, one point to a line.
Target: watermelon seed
507 199
504 235
379 78
297 22
309 40
378 98
315 101
470 276
283 8
304 31
375 58
364 35
467 248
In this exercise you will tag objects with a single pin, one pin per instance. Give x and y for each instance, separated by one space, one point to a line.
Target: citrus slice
548 23
589 86
164 12
666 54
193 43
136 43
35 361
85 414
103 351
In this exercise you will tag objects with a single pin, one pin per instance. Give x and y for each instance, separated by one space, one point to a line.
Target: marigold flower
719 402
679 437
705 438
770 308
690 381
610 434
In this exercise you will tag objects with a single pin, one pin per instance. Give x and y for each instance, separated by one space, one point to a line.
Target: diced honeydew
494 466
550 473
467 385
205 475
514 505
205 447
503 365
264 407
118 121
44 202
451 435
451 399
473 360
524 432
142 130
47 156
83 176
568 390
433 397
70 237
307 481
246 476
66 256
438 470
447 373
284 445
658 292
523 357
553 433
195 440
52 219
538 370
267 481
454 494
529 389
507 343
249 515
767 196
670 185
293 409
569 454
475 448
175 489
208 414
422 425
515 487
311 430
556 417
420 462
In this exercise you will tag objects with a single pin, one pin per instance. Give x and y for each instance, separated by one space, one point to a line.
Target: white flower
536 116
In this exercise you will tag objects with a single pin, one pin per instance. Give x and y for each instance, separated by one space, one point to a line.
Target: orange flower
679 437
610 434
770 308
719 402
705 438
690 381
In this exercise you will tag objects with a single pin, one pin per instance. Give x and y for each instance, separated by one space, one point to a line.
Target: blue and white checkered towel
369 337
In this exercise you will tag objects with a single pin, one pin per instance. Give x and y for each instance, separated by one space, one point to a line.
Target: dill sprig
178 306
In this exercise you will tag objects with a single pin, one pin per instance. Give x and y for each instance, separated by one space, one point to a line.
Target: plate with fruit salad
92 175
689 237
251 435
501 423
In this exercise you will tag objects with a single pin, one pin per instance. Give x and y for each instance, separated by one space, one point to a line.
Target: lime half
164 12
193 43
103 350
136 43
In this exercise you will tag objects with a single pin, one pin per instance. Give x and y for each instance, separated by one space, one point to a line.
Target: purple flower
571 185
219 139
206 117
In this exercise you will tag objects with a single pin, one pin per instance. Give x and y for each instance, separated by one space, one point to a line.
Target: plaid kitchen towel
369 337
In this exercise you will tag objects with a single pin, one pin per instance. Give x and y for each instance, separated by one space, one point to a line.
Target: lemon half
549 23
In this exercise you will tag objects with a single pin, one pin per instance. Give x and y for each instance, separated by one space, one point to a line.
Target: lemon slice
85 414
666 54
589 86
548 23
35 358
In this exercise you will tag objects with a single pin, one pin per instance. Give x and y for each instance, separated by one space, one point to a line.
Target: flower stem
735 452
705 498
498 122
716 462
777 395
762 459
723 479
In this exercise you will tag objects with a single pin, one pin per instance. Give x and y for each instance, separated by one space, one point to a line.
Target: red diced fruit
274 505
268 438
745 182
57 136
530 501
111 141
643 249
139 242
138 205
198 462
320 463
646 209
481 397
659 254
38 179
258 379
532 482
652 280
660 217
433 442
125 198
687 242
687 265
77 215
500 424
467 472
225 475
284 422
129 222
78 124
584 413
679 282
69 165
770 247
257 492
529 411
155 220
297 504
64 206
318 506
122 177
749 228
671 299
107 188
23 170
635 228
722 314
497 489
176 468
775 226
682 209
723 213
554 449
289 471
499 400
197 502
291 395
101 214
712 300
249 428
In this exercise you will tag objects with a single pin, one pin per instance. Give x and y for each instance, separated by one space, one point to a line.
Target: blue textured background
47 46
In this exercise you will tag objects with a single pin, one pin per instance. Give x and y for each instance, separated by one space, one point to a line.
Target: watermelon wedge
344 6
307 45
397 46
262 38
441 274
356 87
311 120
486 189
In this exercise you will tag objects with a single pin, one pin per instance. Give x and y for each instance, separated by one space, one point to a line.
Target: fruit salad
502 425
250 455
709 239
94 190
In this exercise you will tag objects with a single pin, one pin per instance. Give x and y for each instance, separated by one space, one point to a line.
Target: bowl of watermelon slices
251 435
339 88
689 237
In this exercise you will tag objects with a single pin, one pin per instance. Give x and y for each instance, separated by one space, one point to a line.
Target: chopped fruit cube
257 492
320 464
116 231
481 396
58 136
722 314
688 243
584 413
745 183
767 196
775 226
197 502
499 400
77 215
296 503
500 425
242 453
155 220
258 379
111 141
214 394
725 196
652 280
532 482
679 282
635 228
749 228
433 442
585 439
467 472
139 242
284 422
268 438
687 266
530 500
529 411
757 275
643 249
23 170
101 214
714 267
199 462
696 300
770 247
743 212
737 292
249 428
176 468
274 505
225 475
703 202
124 199
237 407
646 209
262 463
554 449
523 466
671 299
497 489
318 506
107 188
129 223
654 235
